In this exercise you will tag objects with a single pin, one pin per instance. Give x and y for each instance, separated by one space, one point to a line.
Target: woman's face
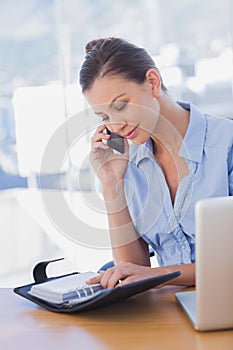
126 108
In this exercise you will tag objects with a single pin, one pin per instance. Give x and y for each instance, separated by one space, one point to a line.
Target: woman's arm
127 245
110 169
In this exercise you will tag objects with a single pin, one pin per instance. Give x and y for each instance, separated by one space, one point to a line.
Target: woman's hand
125 273
109 167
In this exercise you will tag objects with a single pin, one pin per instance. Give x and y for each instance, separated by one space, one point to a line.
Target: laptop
210 307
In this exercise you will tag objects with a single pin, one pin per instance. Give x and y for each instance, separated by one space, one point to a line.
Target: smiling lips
131 133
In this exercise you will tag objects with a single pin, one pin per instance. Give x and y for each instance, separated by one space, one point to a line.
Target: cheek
137 113
145 114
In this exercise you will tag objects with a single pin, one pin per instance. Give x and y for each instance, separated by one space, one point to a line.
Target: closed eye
105 118
119 106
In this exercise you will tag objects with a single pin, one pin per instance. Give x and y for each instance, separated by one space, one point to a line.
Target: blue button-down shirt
170 228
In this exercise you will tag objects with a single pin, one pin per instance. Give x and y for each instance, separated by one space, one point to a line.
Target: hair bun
93 43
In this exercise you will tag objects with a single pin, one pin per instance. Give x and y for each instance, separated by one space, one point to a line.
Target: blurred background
41 49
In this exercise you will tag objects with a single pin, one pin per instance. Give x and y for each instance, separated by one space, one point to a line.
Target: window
41 50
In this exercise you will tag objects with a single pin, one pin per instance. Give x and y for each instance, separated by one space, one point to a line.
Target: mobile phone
116 141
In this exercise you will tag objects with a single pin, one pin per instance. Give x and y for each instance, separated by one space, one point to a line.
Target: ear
153 78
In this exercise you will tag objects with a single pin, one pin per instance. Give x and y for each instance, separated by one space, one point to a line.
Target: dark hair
115 56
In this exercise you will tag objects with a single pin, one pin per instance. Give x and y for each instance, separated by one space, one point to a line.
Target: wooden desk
152 320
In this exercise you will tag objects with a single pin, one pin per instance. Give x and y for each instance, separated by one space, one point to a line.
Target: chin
139 140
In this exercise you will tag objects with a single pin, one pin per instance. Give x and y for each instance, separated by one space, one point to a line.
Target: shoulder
222 122
219 130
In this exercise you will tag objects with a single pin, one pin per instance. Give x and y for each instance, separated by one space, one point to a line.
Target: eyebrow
115 98
110 105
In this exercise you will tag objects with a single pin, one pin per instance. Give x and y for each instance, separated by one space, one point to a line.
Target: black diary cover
102 298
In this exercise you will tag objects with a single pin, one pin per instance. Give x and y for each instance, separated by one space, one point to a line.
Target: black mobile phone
116 142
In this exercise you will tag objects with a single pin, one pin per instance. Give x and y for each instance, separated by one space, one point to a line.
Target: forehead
105 89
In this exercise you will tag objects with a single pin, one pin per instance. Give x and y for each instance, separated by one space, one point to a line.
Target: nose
116 127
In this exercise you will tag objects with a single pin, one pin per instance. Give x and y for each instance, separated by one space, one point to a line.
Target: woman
177 156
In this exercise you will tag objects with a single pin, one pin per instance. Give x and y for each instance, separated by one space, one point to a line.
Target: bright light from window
39 111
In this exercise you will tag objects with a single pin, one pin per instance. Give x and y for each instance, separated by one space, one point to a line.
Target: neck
171 127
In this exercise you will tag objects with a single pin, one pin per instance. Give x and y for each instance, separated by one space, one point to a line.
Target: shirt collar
144 151
193 143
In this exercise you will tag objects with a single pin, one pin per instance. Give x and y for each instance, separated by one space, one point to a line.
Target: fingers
96 279
98 137
108 278
120 274
111 278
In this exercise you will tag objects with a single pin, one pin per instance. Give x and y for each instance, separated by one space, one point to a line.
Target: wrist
114 197
162 270
112 191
